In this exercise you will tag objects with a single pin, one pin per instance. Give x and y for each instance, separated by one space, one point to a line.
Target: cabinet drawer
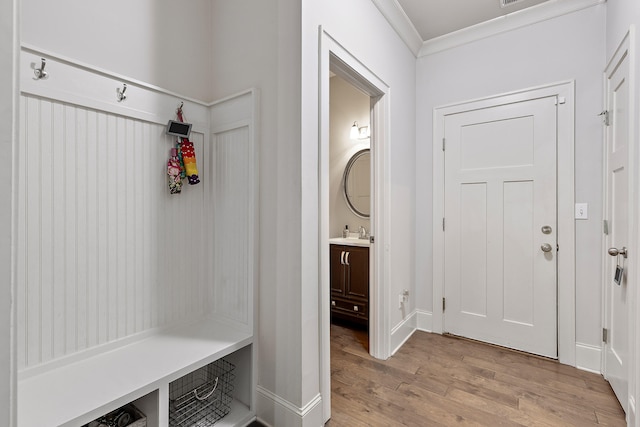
355 308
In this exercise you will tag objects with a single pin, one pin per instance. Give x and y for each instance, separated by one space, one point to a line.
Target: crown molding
512 21
400 22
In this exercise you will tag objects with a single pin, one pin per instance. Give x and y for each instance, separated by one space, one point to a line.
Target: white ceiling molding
512 21
401 23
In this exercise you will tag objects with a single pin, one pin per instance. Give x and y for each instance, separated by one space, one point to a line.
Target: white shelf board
77 393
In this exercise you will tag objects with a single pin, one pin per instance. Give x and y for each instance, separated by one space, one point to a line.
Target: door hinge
372 239
442 224
443 144
443 305
560 100
605 334
605 227
605 117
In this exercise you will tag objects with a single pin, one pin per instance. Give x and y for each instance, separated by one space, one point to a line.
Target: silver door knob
546 247
616 251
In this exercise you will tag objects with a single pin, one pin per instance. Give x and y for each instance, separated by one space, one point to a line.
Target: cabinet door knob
346 258
333 303
342 258
355 308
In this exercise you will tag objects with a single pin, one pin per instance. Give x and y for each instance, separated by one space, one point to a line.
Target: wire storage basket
202 397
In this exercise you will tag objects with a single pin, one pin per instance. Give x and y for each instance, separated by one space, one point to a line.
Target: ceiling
434 18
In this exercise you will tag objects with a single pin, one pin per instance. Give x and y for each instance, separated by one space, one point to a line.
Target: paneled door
616 292
500 224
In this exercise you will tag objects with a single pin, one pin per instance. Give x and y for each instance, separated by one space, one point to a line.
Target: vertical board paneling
104 251
49 289
71 216
102 189
21 252
112 268
233 217
91 231
31 274
80 232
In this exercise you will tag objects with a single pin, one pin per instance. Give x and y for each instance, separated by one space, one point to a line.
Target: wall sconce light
359 132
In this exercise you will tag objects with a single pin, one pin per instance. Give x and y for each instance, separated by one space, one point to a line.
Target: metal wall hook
121 93
179 110
40 73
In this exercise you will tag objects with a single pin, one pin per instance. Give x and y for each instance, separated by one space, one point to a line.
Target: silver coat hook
121 93
40 73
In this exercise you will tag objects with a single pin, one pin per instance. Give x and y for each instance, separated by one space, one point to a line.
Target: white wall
9 41
161 42
563 48
347 104
265 54
621 14
372 41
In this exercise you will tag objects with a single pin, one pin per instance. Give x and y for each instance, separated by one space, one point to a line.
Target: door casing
565 91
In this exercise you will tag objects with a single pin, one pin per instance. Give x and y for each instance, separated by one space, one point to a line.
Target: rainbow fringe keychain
187 155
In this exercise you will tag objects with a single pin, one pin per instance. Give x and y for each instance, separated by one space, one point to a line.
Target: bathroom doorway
335 59
349 206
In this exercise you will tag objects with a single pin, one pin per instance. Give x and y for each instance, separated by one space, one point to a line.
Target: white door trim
566 229
333 54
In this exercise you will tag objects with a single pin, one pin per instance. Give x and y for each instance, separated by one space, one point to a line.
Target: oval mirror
357 185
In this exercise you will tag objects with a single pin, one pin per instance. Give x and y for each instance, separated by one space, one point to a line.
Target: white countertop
349 241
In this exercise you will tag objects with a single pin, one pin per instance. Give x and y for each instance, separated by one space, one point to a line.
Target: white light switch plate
582 211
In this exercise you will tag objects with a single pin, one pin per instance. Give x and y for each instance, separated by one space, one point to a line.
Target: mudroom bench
76 393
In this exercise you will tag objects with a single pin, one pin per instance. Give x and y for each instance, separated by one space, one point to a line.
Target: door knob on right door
546 247
616 251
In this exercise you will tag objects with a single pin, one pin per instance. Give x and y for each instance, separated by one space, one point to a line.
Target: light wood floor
437 380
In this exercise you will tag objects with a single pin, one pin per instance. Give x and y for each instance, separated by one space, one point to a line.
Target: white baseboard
402 331
418 320
588 357
424 320
273 410
631 412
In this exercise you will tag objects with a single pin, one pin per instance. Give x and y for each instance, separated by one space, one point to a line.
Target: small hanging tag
617 278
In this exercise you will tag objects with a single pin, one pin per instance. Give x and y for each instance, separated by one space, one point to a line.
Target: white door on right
616 291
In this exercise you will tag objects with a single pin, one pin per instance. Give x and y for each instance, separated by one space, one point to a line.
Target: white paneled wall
231 263
104 251
234 190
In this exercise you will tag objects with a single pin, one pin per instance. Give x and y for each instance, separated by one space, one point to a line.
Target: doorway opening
349 206
335 59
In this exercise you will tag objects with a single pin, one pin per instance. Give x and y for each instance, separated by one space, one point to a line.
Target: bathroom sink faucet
362 233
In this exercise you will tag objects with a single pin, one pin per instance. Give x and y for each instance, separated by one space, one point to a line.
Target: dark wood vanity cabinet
350 283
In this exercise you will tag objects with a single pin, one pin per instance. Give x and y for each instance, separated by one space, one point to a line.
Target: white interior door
616 293
501 221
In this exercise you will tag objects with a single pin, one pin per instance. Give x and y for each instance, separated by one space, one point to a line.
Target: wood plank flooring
436 380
